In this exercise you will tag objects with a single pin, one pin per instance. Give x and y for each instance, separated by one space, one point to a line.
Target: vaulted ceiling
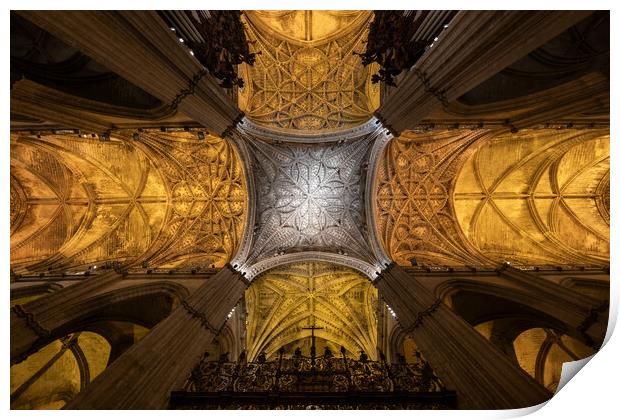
307 76
306 187
540 197
472 197
414 183
283 302
167 200
307 172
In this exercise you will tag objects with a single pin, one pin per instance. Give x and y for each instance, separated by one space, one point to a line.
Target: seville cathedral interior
298 209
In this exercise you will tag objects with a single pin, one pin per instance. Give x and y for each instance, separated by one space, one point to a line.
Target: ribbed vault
309 197
540 197
286 299
413 187
168 200
306 76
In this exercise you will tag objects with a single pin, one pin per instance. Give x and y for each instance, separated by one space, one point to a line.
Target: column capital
382 273
238 274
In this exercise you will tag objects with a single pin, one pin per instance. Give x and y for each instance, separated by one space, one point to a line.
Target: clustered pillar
482 376
138 46
144 376
466 54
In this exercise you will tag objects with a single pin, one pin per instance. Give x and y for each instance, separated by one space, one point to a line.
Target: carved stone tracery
169 200
283 301
302 81
310 198
414 182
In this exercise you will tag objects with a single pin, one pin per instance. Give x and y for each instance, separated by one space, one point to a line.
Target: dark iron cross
313 346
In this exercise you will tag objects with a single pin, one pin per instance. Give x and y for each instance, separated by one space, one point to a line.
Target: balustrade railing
326 381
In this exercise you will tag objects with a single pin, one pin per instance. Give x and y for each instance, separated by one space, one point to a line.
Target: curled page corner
569 370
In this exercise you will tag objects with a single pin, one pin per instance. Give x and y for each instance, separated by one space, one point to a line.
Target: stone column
482 376
38 101
35 324
582 315
476 45
144 376
138 46
587 94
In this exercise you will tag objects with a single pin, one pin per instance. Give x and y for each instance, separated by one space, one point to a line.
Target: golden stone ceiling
413 186
306 76
167 199
287 299
469 197
539 197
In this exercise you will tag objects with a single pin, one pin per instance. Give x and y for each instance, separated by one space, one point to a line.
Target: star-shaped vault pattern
310 198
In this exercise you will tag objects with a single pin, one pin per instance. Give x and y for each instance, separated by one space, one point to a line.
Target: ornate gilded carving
284 300
542 202
414 181
307 76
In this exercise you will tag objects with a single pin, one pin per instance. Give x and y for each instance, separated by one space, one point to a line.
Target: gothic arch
122 304
368 270
487 302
